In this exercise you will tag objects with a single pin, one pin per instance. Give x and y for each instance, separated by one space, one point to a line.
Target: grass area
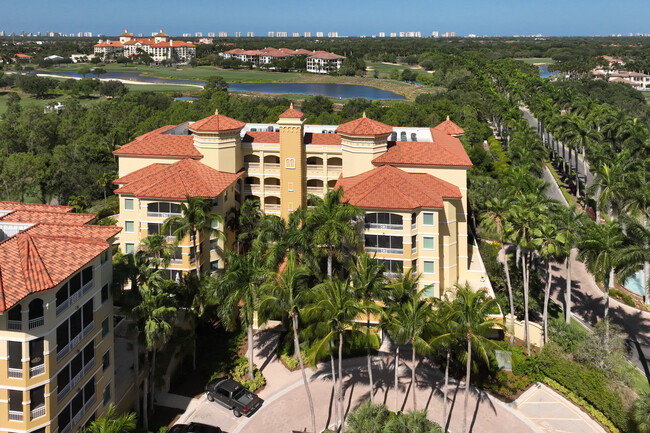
26 100
160 88
384 69
647 96
539 61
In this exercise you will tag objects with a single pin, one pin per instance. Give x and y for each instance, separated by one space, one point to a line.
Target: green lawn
160 88
647 96
384 70
540 61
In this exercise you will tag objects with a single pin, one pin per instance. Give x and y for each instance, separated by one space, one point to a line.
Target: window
128 226
428 243
106 360
414 266
384 220
427 219
402 136
392 266
384 244
129 248
428 267
107 394
290 206
414 243
161 209
104 257
290 186
214 266
128 204
156 229
105 326
104 293
290 163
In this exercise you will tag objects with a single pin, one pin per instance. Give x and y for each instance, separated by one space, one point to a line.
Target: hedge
587 383
622 296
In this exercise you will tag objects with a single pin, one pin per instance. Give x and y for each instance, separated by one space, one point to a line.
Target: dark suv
194 427
233 395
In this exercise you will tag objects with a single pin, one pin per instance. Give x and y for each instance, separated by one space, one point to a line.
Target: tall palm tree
281 236
197 220
610 185
568 226
599 248
635 255
367 275
493 219
472 324
332 223
196 295
245 223
581 136
159 250
238 290
286 294
112 423
335 305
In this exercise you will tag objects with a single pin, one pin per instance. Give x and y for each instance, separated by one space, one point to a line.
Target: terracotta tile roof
176 181
108 43
261 137
143 173
155 143
216 123
364 127
174 44
449 128
126 33
445 151
23 56
388 187
322 139
161 34
42 256
31 216
143 41
292 113
325 55
10 205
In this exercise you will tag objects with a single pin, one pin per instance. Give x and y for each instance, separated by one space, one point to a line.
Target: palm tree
286 294
112 423
196 295
581 136
367 275
335 305
281 236
636 255
568 226
610 185
245 223
641 412
332 223
238 292
599 248
471 323
493 219
159 250
197 220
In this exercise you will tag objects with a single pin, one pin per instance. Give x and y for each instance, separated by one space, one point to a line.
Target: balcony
272 189
252 165
37 412
315 189
35 323
15 373
14 325
334 169
314 169
36 370
414 226
384 226
414 250
87 287
74 342
272 208
15 415
251 188
162 214
271 166
384 250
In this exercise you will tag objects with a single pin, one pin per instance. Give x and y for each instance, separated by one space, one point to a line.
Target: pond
330 90
545 73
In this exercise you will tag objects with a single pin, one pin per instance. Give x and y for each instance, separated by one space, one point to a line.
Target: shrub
568 336
289 361
239 373
622 296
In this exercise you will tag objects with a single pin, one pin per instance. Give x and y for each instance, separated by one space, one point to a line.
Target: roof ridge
3 295
38 262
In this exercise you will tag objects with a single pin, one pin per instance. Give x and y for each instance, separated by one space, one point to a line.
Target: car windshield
243 396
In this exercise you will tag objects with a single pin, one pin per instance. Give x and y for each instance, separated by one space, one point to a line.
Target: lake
544 72
330 90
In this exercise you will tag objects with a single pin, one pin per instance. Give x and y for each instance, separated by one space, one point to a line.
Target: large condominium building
160 47
411 183
56 319
320 62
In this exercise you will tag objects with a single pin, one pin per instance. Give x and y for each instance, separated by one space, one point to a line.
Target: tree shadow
481 396
265 343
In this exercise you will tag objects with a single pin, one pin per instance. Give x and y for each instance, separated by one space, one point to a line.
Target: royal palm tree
609 185
238 291
112 423
332 223
159 250
471 323
581 136
635 256
286 294
197 220
568 225
196 295
335 306
281 236
367 276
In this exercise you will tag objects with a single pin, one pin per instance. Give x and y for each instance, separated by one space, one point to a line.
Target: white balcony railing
250 188
384 226
272 207
334 168
38 412
87 287
162 214
36 370
271 166
76 340
271 188
253 165
35 323
15 415
384 250
314 189
15 373
414 226
314 168
14 325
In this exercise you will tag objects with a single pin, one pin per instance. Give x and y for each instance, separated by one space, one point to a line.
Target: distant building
211 34
435 34
393 34
223 34
206 41
382 34
319 34
160 47
333 34
250 34
187 35
296 34
2 32
281 34
320 62
271 34
198 35
307 34
238 34
449 35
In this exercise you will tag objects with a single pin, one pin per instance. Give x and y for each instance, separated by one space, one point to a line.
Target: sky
347 17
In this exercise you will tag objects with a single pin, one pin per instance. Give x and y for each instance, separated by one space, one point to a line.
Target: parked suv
233 395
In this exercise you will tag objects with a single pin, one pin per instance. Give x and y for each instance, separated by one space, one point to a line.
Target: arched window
402 136
290 163
414 136
393 136
15 318
269 128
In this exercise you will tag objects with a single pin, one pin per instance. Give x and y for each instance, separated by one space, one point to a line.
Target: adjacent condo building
56 319
410 181
160 47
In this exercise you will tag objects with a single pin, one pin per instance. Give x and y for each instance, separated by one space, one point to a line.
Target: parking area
203 411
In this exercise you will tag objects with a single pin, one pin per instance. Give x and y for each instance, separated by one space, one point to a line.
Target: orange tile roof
388 187
174 44
322 139
161 34
108 43
155 143
176 181
10 205
44 255
325 55
292 113
444 151
261 137
126 33
23 56
449 128
364 127
216 123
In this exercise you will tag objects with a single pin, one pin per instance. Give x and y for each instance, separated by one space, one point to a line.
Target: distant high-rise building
187 35
449 35
296 34
2 32
333 34
211 34
223 34
198 34
382 34
271 34
393 34
319 34
280 34
307 34
238 34
250 34
435 34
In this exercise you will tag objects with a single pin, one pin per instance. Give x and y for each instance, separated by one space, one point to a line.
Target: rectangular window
128 204
106 360
289 163
414 243
290 186
105 326
214 266
427 218
129 248
107 394
104 257
428 243
129 226
428 267
290 206
414 266
105 293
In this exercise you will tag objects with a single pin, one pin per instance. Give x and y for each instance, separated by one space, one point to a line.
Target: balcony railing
15 415
15 373
35 323
38 412
384 250
334 168
36 370
162 214
314 189
314 168
414 250
76 340
414 226
249 188
383 226
271 188
271 166
78 416
253 165
14 325
87 287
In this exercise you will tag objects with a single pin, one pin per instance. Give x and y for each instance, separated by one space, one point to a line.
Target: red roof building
450 128
160 47
364 127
